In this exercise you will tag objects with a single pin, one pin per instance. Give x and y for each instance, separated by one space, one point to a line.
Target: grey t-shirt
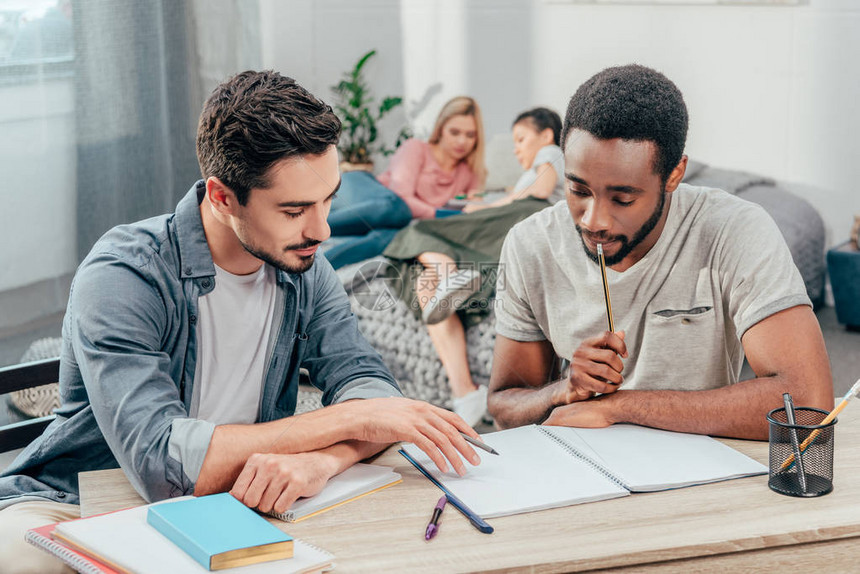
550 154
719 267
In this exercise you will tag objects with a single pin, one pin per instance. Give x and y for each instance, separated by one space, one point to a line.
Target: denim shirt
130 349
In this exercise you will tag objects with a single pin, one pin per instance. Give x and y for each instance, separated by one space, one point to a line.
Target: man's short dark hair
632 103
256 119
542 119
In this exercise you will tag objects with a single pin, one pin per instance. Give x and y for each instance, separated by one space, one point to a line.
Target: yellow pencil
853 391
605 286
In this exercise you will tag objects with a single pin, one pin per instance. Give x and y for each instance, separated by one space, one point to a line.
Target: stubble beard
628 245
305 262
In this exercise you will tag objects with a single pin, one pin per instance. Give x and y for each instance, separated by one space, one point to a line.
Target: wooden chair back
26 376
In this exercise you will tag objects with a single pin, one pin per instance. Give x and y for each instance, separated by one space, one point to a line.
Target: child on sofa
420 179
453 251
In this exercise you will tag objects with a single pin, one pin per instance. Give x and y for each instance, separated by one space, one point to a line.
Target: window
37 160
36 40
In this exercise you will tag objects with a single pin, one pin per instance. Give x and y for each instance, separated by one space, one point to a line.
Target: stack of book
192 535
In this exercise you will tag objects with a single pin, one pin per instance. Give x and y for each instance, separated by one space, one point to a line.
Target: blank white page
530 473
647 459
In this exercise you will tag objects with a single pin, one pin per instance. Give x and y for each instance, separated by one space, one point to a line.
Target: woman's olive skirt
471 240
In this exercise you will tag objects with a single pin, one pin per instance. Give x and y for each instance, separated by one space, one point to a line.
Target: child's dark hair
541 119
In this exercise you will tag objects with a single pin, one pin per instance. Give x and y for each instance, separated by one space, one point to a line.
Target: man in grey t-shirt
698 279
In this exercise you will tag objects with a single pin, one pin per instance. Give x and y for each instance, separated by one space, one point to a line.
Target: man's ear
677 175
221 197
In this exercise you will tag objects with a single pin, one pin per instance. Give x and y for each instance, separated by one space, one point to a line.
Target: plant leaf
362 61
355 105
387 105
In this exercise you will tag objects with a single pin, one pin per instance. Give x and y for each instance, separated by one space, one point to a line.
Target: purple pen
433 526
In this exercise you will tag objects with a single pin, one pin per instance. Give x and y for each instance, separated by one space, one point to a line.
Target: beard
304 263
627 245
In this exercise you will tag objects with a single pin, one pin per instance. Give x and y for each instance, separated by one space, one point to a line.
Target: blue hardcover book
220 532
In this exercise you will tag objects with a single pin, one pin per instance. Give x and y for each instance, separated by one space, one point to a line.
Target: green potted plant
359 113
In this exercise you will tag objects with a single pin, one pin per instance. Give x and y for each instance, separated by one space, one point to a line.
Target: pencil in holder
814 442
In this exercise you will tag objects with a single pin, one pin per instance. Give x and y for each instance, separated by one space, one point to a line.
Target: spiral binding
287 516
325 553
587 460
73 559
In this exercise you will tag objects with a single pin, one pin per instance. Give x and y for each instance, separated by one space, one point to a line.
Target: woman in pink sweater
420 179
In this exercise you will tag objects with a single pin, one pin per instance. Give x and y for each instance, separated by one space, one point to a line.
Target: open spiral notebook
542 467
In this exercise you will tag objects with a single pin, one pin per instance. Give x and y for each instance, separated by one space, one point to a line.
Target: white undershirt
233 328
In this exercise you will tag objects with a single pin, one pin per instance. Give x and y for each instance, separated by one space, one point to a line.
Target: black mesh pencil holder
814 477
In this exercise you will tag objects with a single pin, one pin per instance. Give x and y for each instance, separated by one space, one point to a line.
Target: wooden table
737 525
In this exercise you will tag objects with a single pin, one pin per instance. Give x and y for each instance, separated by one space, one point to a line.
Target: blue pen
476 520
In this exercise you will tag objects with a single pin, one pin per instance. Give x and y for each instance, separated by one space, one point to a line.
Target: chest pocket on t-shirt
683 313
670 322
678 346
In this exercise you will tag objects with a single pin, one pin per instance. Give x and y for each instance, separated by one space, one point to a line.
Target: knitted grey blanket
403 341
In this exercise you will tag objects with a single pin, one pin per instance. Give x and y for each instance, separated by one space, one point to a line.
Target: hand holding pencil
596 365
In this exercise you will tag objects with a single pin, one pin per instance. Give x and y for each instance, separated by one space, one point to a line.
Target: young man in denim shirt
184 336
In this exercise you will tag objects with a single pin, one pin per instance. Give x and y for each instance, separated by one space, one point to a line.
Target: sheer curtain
137 100
99 102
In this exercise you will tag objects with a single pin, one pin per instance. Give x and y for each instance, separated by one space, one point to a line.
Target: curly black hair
542 119
632 103
255 119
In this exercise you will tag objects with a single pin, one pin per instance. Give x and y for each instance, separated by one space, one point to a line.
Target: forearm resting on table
737 411
338 457
231 445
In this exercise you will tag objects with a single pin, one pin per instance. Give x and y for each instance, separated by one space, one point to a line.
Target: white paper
534 472
126 540
647 459
530 473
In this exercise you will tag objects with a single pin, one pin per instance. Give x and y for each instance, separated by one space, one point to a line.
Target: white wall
434 48
770 89
37 185
480 48
315 42
501 60
427 52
